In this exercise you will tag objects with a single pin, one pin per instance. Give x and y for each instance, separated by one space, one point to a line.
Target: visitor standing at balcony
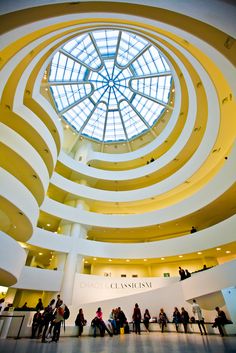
197 312
182 274
39 305
187 274
137 319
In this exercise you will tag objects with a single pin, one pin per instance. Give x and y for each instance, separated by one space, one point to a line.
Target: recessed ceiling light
218 249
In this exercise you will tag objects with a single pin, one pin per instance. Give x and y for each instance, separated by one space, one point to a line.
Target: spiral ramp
71 199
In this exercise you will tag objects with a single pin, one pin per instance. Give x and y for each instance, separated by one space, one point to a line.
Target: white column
61 259
73 260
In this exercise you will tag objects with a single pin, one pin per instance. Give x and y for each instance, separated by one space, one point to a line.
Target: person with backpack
59 317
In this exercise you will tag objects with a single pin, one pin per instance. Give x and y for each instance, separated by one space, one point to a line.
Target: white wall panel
39 279
12 260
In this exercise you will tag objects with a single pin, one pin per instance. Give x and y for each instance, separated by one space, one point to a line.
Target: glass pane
109 84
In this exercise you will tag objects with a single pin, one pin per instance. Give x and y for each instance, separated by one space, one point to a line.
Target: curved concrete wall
208 238
12 260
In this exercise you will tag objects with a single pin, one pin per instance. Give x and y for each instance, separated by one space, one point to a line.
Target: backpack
66 313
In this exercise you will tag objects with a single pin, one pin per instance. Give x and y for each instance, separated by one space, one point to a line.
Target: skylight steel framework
110 85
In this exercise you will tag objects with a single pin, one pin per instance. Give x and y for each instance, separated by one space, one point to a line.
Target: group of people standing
48 324
118 320
184 274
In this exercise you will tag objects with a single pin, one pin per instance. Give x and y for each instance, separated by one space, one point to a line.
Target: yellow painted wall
31 297
151 270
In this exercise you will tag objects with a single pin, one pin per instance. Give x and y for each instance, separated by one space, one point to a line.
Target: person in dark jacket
80 321
39 305
137 319
47 317
120 319
162 319
184 319
176 318
36 323
220 320
146 319
182 274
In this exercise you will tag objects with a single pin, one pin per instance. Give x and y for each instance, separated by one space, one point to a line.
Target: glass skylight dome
110 85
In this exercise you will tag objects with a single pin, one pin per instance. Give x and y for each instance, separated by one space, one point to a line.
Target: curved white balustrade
215 278
48 240
12 260
20 197
207 194
18 106
207 13
200 241
39 279
23 149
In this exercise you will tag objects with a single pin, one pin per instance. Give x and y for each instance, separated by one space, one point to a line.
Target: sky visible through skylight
110 85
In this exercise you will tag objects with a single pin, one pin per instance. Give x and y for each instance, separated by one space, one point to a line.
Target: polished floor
145 343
